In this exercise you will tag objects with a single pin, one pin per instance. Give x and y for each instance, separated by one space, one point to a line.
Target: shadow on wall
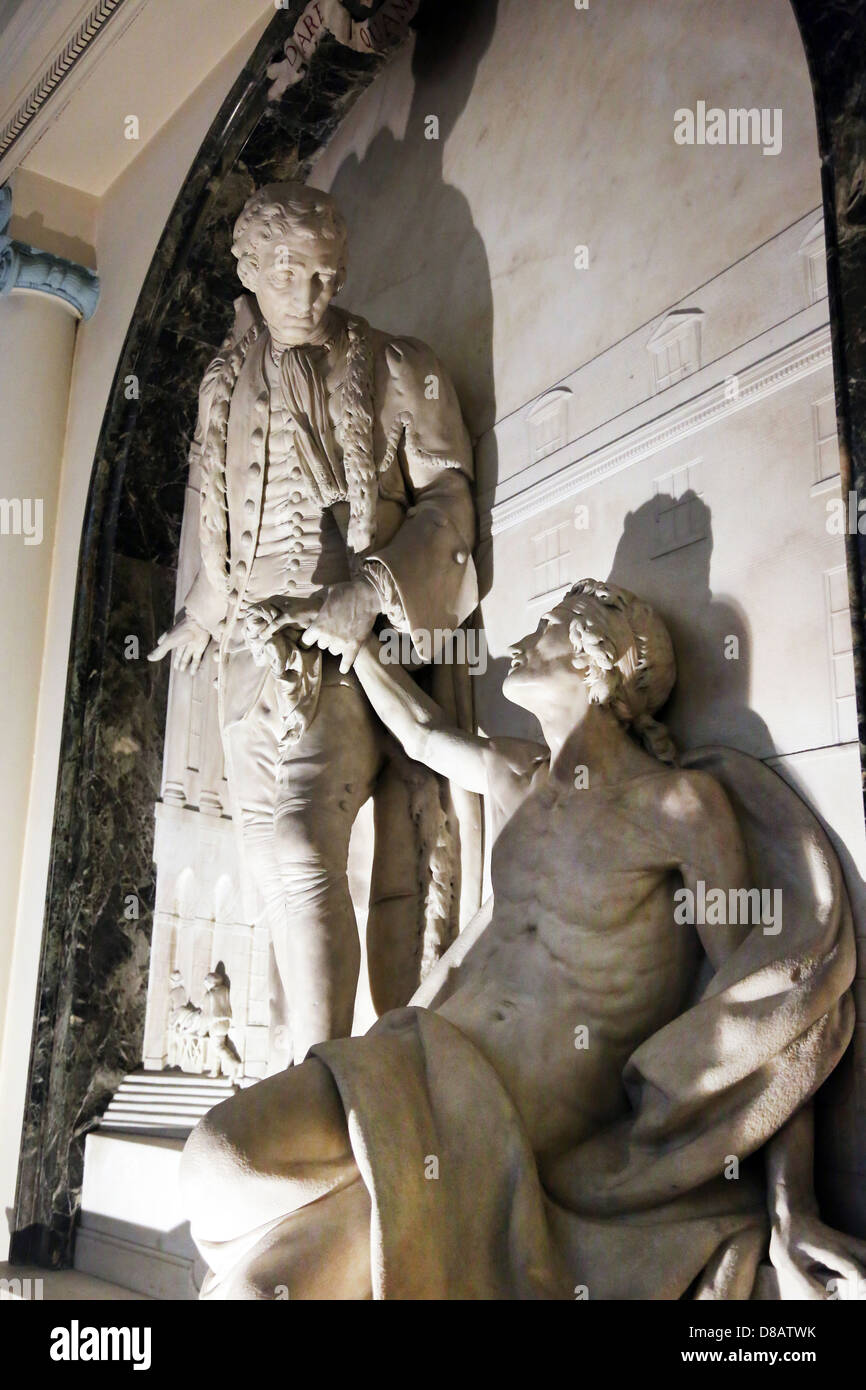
711 634
33 231
393 246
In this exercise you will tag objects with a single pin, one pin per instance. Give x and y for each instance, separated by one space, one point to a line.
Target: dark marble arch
93 975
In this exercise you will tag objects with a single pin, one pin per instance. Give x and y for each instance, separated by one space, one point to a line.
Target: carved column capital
24 267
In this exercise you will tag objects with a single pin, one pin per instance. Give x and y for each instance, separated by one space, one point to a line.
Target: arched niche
83 1041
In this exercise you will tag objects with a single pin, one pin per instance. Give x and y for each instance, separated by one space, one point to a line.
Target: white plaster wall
556 128
130 220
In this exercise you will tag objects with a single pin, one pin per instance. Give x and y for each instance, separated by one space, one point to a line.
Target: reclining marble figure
334 465
586 1098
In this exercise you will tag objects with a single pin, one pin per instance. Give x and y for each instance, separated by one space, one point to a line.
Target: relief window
680 513
675 347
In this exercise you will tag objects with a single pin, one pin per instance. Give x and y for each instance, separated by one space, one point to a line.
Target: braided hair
634 682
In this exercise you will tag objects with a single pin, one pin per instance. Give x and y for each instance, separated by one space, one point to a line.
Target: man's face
543 655
295 283
545 663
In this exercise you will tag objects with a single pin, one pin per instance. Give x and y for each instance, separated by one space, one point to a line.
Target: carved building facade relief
204 912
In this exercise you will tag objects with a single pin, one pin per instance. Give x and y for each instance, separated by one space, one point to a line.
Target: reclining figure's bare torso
583 961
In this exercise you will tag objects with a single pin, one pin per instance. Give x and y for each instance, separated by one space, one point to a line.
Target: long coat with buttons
423 453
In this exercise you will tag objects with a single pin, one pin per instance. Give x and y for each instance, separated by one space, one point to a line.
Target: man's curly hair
293 211
634 675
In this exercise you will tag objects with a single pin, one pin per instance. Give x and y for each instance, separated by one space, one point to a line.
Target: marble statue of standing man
335 471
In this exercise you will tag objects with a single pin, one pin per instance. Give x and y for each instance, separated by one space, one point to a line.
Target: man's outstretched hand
188 640
345 620
340 623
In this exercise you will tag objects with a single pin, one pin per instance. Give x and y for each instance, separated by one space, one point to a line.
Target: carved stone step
163 1103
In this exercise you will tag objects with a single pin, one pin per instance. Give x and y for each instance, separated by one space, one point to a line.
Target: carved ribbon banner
322 17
